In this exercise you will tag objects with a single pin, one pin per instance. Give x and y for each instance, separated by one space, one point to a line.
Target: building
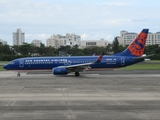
3 42
36 43
18 37
90 43
127 37
52 42
60 40
153 38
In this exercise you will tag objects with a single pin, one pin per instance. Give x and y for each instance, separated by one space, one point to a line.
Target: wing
83 66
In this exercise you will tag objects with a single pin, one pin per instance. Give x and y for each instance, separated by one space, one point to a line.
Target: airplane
64 65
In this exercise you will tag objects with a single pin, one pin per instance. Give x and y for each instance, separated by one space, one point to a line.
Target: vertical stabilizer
136 48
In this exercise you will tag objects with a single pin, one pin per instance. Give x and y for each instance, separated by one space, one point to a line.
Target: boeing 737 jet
64 65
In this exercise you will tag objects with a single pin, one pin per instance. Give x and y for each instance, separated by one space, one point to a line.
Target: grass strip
1 68
142 67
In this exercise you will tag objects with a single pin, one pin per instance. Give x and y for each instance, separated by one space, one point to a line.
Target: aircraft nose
5 66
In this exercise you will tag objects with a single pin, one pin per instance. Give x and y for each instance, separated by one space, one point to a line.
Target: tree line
8 53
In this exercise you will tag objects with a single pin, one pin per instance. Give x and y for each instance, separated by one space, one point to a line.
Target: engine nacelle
60 71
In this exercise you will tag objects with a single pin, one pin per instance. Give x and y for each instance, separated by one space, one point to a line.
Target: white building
90 43
153 38
127 37
51 42
18 37
60 40
3 42
36 43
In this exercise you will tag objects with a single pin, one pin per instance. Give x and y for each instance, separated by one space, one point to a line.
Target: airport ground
114 95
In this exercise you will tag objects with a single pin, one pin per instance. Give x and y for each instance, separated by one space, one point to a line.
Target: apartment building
3 42
36 43
18 37
127 37
63 40
153 38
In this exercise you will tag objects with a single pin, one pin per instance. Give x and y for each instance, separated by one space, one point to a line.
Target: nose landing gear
18 74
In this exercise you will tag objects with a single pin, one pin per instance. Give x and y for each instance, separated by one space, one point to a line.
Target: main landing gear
76 73
18 74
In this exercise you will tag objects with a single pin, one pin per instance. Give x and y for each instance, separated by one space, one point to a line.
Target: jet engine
60 71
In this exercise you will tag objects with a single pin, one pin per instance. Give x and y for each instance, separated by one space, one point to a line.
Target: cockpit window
11 62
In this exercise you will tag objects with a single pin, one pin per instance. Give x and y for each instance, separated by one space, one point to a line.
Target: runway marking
65 99
105 92
14 99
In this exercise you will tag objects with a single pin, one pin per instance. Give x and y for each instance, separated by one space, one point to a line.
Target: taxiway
87 97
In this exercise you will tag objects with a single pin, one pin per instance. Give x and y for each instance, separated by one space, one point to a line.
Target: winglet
94 54
99 58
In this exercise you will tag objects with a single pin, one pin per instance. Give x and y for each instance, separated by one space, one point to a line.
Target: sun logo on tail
138 45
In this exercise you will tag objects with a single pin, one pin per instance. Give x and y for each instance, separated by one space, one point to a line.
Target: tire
76 73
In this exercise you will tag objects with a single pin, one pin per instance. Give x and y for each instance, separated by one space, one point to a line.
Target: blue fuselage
46 63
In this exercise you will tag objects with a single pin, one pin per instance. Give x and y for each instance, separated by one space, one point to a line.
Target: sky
91 19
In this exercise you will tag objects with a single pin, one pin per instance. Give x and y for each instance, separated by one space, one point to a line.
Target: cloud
139 20
84 36
117 3
39 19
118 21
42 37
110 37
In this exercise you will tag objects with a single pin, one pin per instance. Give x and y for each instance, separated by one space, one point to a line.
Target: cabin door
68 62
122 61
21 63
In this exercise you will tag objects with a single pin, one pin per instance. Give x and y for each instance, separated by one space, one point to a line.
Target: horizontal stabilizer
142 57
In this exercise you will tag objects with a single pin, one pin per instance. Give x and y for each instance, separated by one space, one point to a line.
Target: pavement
87 97
107 72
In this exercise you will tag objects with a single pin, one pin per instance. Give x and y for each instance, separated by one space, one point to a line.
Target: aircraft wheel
76 73
18 75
